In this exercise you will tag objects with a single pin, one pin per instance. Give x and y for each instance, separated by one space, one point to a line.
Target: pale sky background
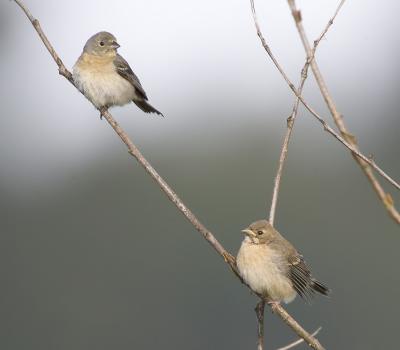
93 256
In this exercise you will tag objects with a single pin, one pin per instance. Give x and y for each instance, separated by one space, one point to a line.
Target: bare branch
282 158
61 68
291 322
134 151
326 127
337 117
292 117
298 342
260 321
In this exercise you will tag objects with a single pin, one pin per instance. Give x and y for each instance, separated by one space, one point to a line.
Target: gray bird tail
146 107
320 287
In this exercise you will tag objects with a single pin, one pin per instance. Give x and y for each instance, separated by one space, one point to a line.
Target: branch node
389 200
229 259
305 69
297 15
290 120
350 138
64 71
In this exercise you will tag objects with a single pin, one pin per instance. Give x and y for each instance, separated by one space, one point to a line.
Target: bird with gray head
105 78
272 267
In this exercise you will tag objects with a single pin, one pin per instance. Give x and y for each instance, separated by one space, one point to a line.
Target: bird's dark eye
260 232
101 43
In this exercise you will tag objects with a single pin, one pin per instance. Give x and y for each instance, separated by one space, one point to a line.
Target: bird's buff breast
99 81
258 265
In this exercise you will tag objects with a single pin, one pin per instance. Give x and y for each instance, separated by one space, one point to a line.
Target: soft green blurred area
92 253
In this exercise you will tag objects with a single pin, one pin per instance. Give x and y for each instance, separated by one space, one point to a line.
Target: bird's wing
297 270
300 275
126 72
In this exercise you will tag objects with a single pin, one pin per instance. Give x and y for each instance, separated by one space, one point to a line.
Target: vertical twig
259 309
282 158
385 198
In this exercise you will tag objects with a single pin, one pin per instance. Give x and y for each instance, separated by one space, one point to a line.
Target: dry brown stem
385 198
293 115
326 127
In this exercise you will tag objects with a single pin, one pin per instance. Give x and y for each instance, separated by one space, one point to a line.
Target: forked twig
385 198
326 127
134 151
298 341
282 158
292 117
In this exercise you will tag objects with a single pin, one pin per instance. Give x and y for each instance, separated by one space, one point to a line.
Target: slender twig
282 157
298 342
293 115
326 127
259 309
291 322
61 68
337 117
134 151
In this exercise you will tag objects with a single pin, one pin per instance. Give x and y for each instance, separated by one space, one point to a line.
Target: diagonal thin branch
61 67
326 127
292 117
337 117
297 342
134 151
291 322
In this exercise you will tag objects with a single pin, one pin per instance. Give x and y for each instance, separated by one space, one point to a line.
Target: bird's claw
229 259
272 303
102 111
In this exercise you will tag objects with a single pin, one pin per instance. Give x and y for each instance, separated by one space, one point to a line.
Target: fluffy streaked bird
105 78
271 266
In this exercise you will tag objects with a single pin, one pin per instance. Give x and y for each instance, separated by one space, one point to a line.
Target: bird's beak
248 232
115 45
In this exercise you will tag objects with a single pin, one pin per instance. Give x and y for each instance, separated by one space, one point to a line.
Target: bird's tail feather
320 287
146 107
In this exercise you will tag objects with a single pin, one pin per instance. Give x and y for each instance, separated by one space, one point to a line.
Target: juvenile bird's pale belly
103 85
258 265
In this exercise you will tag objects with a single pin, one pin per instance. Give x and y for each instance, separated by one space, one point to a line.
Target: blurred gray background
93 255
